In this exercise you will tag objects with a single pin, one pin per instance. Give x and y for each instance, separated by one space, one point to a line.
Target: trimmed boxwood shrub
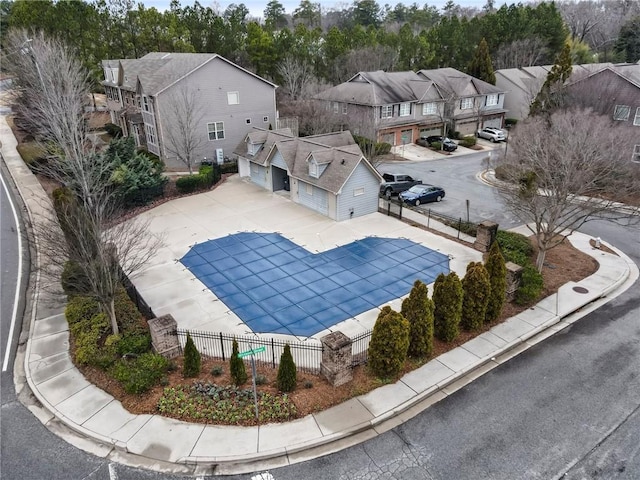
229 167
142 373
80 309
468 141
417 308
531 285
476 288
389 344
287 374
114 130
515 247
192 359
188 183
447 301
236 367
87 335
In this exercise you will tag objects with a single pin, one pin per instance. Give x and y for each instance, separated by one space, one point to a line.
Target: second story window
621 112
466 103
636 119
386 111
145 103
216 130
492 100
429 108
336 107
233 98
405 109
344 108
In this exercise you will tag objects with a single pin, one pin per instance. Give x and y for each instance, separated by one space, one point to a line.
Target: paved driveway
239 206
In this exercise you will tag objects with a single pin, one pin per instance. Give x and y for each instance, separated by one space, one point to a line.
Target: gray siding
278 161
213 81
363 204
259 175
316 201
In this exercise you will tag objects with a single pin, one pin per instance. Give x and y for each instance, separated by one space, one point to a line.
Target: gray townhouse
230 101
400 107
327 173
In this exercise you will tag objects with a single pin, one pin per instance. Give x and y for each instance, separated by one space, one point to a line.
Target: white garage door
494 123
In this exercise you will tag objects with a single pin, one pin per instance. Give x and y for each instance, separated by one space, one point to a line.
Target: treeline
329 45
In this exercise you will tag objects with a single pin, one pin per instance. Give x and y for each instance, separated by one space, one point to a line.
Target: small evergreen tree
497 270
550 95
192 359
481 66
236 367
447 302
287 371
389 344
476 288
417 308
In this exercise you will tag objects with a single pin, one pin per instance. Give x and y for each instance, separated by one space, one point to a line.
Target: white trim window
151 134
145 103
492 100
216 130
621 112
309 189
636 154
386 111
344 108
265 119
636 119
429 108
405 109
233 98
336 107
466 103
358 191
314 171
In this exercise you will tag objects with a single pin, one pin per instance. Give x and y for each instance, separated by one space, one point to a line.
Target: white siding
317 200
360 192
244 169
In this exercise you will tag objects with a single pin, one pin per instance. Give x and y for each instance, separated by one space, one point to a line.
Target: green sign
251 352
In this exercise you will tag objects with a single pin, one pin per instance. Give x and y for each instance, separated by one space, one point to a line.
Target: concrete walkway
101 425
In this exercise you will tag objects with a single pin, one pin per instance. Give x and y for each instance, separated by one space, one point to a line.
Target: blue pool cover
276 286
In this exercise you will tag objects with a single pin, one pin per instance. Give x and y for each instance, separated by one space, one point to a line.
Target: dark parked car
419 194
448 145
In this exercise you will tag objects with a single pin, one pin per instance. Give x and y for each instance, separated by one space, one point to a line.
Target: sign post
252 353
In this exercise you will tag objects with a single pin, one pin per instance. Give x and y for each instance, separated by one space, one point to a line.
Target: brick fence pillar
514 277
336 358
163 336
485 235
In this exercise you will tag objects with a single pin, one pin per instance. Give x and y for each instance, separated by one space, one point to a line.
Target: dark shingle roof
459 83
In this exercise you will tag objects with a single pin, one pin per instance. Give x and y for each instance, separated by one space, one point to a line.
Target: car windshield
416 189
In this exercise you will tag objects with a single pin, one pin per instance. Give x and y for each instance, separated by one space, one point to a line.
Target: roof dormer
318 163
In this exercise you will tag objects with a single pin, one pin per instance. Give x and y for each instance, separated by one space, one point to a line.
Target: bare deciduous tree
52 87
185 137
296 74
560 175
519 53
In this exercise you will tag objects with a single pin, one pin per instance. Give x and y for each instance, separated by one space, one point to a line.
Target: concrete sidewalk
103 427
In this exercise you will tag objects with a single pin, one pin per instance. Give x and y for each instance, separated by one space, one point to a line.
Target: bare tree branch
562 171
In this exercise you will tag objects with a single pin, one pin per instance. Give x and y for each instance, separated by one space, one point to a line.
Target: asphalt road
566 408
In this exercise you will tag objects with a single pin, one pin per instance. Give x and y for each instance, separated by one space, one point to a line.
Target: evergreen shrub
236 367
417 308
531 285
389 344
142 373
80 309
192 359
447 301
476 288
497 270
114 130
515 247
188 183
287 374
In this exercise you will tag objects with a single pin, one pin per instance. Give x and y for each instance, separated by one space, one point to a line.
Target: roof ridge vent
165 56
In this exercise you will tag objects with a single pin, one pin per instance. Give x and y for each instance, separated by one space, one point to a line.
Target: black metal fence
360 348
307 355
132 291
394 207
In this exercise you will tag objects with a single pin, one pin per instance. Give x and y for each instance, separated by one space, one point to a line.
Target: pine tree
287 371
236 367
481 66
417 308
496 267
476 289
389 344
550 95
447 302
192 359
